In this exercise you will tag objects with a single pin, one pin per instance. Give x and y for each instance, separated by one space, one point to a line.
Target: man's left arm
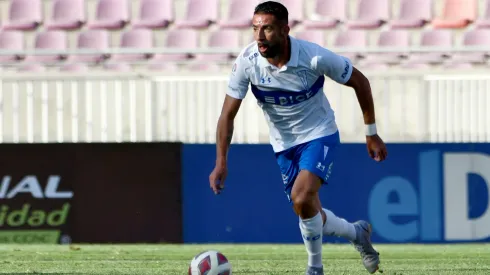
362 88
341 70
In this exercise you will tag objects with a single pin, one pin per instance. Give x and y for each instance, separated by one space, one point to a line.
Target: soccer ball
210 263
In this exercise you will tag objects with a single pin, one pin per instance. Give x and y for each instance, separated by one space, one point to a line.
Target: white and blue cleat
370 257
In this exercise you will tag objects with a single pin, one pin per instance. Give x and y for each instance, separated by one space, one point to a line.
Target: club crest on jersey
303 76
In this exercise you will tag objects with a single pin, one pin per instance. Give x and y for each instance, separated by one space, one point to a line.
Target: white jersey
291 97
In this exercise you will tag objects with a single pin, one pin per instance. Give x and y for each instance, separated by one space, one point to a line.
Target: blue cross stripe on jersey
285 98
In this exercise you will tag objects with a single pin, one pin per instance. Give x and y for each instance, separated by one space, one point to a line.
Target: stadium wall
159 192
417 106
423 193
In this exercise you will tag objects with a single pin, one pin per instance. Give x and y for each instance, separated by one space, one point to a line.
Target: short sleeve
336 67
239 80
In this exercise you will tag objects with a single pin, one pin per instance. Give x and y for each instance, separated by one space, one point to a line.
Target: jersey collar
293 60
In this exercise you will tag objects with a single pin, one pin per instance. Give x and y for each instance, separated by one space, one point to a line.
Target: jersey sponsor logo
288 100
285 98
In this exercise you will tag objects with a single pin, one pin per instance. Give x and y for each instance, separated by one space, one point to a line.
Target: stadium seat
227 38
91 40
135 39
37 68
351 39
296 11
199 14
373 65
475 37
163 66
391 39
371 14
49 40
415 65
203 67
413 14
457 14
316 36
25 15
484 22
459 65
155 14
111 15
327 14
117 67
239 14
74 67
67 15
179 39
11 40
433 38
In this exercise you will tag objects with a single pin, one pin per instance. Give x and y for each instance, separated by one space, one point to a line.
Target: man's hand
217 178
376 148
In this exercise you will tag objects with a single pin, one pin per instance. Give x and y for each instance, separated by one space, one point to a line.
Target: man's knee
304 193
302 198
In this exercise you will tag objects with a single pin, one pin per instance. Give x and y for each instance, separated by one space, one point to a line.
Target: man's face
269 34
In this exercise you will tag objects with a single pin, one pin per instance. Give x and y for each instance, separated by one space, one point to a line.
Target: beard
271 51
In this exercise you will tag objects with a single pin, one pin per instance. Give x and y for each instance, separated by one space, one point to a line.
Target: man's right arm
224 131
237 90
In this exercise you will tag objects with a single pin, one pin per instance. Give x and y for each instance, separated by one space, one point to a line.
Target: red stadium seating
347 26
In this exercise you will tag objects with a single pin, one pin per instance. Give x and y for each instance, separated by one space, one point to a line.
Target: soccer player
286 76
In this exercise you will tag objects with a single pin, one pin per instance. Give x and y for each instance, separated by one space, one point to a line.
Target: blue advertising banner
423 193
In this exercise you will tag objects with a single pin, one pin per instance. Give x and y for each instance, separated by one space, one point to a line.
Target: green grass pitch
246 259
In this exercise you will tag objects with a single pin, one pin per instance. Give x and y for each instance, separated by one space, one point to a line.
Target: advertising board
423 193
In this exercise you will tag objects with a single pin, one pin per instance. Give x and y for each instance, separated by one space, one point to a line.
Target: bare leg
304 195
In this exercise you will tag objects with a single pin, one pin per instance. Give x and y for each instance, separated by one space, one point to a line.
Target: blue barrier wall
422 193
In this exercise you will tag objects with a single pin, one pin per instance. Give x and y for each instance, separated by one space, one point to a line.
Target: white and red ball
210 263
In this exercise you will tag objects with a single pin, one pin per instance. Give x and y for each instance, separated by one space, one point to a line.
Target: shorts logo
329 171
320 166
285 179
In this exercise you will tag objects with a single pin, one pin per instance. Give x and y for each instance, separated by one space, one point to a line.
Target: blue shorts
315 156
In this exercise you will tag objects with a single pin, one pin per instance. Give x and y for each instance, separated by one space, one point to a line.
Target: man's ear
286 29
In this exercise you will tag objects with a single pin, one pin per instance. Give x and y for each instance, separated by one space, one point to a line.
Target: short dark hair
275 8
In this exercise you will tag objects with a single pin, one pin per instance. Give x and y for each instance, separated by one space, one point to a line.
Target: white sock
311 230
339 227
